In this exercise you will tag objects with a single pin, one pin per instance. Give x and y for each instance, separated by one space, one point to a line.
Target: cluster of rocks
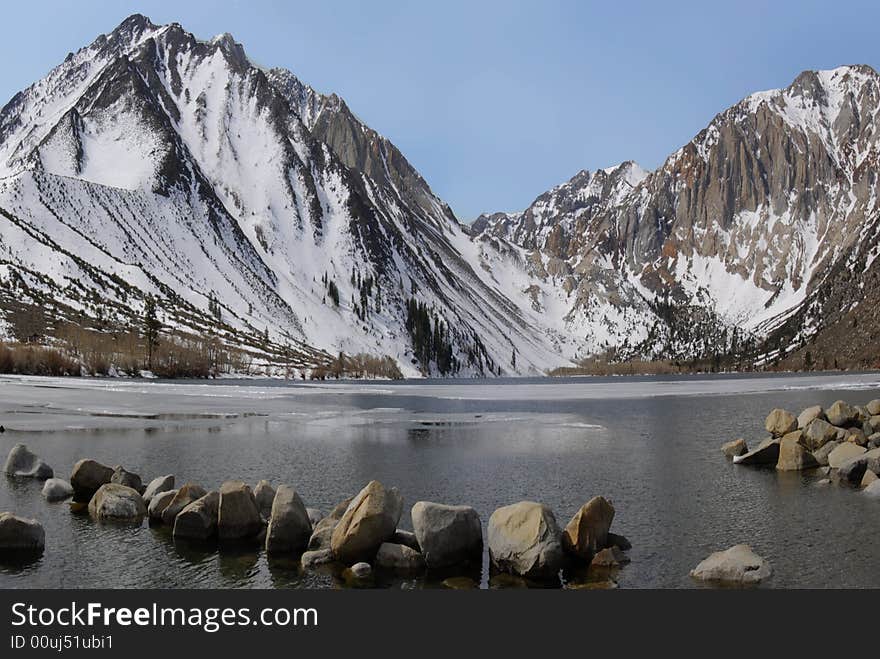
361 532
843 441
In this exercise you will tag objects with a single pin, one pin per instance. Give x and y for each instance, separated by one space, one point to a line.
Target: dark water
649 445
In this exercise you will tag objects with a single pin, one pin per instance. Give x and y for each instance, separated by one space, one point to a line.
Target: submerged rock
370 519
158 485
792 454
183 497
20 533
159 503
738 565
610 557
734 448
447 535
57 489
264 495
198 521
87 477
766 453
289 526
239 516
122 476
399 558
587 532
117 502
22 463
524 539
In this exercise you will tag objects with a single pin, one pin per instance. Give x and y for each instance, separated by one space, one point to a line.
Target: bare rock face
525 540
87 476
289 526
22 463
780 422
239 517
114 502
447 535
587 532
734 448
737 565
793 456
370 519
20 534
198 521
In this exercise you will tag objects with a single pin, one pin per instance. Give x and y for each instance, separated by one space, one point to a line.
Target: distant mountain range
249 205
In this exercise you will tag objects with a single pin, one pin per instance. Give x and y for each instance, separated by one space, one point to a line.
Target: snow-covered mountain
151 162
249 204
734 239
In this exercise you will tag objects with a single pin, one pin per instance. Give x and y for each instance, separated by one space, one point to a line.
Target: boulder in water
57 489
524 539
737 565
21 463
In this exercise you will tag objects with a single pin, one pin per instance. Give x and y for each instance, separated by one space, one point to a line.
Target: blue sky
494 102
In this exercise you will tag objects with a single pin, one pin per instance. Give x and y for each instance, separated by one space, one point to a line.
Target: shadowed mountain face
247 203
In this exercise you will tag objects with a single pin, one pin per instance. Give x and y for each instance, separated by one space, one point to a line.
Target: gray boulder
399 558
322 532
766 453
814 412
734 448
315 515
619 541
121 476
817 433
524 539
843 453
587 532
314 558
239 516
22 463
159 503
57 489
158 485
370 519
406 538
264 495
793 456
852 471
114 502
20 534
198 521
182 498
447 535
737 565
840 414
873 490
780 422
821 454
868 478
873 407
87 477
360 570
289 526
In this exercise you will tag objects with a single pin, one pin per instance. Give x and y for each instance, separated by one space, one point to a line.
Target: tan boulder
198 521
587 532
840 414
370 519
184 496
873 407
817 433
843 454
814 412
767 452
738 565
868 478
524 539
793 456
238 516
289 525
117 502
734 448
780 422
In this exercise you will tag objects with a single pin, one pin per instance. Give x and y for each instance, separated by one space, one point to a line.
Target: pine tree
152 325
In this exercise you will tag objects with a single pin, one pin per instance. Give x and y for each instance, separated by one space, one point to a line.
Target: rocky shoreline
360 536
842 442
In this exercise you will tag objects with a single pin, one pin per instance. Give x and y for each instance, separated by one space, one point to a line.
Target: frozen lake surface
650 444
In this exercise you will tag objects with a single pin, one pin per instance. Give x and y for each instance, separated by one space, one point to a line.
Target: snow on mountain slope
181 169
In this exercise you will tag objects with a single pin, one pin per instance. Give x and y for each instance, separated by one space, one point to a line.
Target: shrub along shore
357 538
843 442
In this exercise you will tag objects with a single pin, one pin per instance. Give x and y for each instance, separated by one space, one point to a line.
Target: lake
649 444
